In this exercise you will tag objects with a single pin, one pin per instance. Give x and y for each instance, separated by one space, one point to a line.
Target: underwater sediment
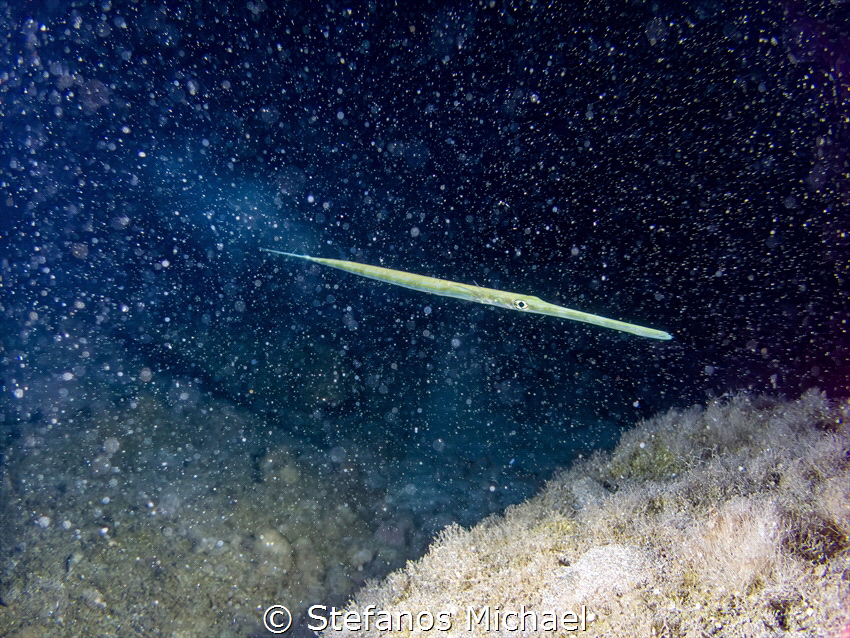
156 521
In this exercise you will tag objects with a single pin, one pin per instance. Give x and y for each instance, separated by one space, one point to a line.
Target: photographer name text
485 618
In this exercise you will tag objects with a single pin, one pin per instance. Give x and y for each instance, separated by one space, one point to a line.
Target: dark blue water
676 165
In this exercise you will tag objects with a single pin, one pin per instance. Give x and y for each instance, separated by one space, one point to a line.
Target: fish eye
519 304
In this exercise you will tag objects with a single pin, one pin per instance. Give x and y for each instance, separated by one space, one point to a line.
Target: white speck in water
111 445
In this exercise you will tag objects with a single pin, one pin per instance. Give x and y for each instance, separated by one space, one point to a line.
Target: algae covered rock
726 520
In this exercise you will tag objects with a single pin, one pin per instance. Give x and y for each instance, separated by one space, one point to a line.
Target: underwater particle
43 522
119 222
80 250
656 30
273 542
290 474
111 445
361 557
268 114
100 465
277 466
93 96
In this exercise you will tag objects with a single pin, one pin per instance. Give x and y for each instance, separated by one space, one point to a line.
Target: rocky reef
732 519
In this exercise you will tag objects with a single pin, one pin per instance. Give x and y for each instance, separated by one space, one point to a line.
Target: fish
478 294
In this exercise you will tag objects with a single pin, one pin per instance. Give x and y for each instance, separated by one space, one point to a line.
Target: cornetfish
489 296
